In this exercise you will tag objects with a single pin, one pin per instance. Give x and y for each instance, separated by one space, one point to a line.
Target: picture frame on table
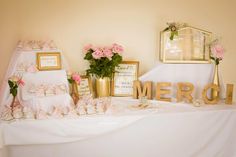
48 61
190 46
85 87
122 83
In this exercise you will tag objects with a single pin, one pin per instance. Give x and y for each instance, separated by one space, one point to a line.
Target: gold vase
103 87
74 93
216 81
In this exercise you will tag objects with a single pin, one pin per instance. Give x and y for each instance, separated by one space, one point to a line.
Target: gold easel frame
113 84
90 86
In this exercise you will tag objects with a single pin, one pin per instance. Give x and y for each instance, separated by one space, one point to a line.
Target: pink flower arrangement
74 78
103 60
217 51
99 52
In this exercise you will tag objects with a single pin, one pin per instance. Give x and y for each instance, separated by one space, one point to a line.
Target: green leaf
11 84
70 81
13 92
166 29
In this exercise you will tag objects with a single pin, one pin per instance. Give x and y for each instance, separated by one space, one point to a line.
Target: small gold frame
190 46
49 61
125 75
87 86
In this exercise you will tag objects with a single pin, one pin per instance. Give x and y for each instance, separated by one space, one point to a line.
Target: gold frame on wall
193 44
123 76
49 54
90 86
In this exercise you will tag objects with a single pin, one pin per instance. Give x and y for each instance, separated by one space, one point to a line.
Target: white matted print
49 61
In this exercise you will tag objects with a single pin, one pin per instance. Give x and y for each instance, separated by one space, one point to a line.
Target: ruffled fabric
85 106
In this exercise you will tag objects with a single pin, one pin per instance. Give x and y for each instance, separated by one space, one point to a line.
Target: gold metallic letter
184 90
160 91
138 92
206 100
229 94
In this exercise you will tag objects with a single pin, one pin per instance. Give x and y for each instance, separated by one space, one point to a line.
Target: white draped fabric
198 74
167 129
20 61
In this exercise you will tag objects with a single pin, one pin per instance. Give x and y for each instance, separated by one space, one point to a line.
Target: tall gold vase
103 87
216 81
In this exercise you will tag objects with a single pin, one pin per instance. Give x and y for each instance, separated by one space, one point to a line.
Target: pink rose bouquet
103 60
217 51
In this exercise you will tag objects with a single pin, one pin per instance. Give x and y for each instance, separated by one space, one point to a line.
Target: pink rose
107 52
117 48
98 53
218 51
20 82
88 47
76 78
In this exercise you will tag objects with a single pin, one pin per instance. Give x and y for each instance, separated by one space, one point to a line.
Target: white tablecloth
178 130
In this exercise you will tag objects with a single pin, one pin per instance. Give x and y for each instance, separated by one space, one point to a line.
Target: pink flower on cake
117 48
107 52
88 47
217 50
76 78
98 53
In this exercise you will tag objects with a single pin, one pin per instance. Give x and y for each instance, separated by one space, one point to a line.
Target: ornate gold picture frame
190 46
85 87
122 82
49 61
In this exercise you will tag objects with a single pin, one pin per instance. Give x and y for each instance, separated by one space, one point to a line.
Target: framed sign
126 73
85 86
49 61
190 46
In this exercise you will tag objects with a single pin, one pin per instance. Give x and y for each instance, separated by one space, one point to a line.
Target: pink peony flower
76 78
20 82
107 52
117 48
88 47
218 51
98 53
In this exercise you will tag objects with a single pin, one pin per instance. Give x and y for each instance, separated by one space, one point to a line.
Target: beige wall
9 33
133 23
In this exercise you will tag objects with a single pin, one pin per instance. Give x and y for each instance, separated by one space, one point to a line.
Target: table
171 129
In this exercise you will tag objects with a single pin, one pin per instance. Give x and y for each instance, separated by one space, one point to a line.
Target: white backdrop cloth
198 74
173 129
21 59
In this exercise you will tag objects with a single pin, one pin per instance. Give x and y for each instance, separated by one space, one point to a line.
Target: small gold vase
74 93
103 87
216 81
